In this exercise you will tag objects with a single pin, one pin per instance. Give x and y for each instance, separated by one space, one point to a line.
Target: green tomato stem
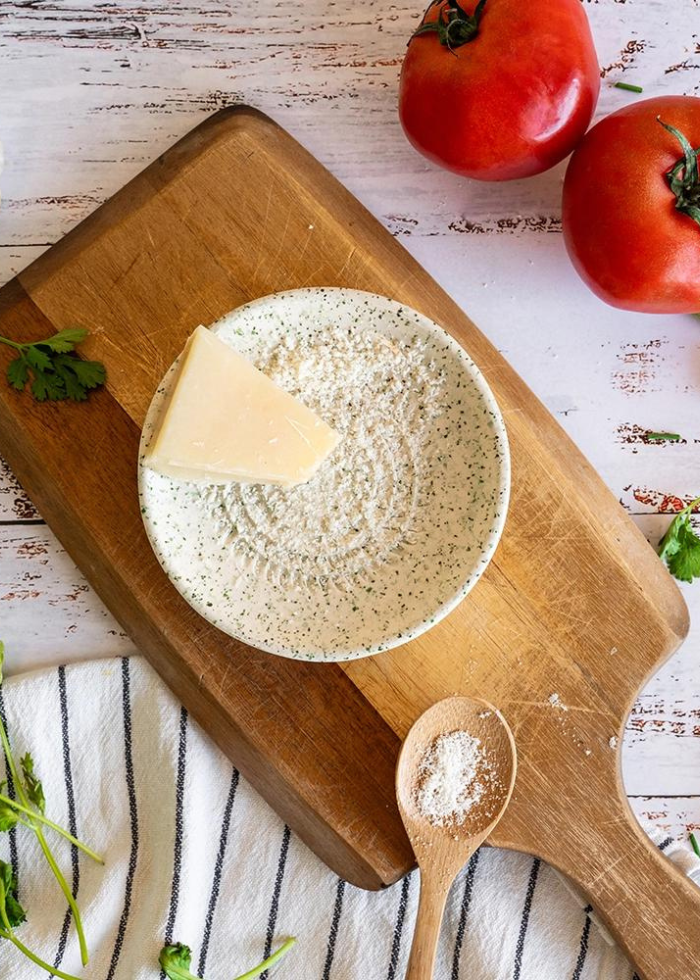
270 961
453 26
684 176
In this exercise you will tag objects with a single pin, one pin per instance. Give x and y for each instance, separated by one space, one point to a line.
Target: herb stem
63 884
34 958
12 343
629 88
7 933
49 823
695 845
270 961
663 437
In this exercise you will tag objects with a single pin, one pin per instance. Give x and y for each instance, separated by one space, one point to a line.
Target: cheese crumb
614 742
556 702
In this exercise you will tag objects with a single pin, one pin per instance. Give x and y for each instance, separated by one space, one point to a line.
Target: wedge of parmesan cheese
226 421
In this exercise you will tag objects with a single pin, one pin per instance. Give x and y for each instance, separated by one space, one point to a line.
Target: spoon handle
434 889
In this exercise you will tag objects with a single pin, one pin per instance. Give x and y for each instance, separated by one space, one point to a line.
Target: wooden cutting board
570 619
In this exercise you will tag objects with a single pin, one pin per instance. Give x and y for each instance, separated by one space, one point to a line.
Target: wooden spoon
442 852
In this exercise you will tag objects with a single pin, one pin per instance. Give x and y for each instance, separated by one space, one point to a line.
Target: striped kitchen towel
194 855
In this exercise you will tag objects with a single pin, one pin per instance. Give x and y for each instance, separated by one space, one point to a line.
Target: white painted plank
48 612
676 817
132 80
14 258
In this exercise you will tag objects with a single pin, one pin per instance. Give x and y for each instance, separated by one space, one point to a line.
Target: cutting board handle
650 907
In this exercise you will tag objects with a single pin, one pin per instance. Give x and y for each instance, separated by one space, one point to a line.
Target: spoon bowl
442 849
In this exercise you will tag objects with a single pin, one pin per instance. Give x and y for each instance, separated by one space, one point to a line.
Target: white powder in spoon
451 778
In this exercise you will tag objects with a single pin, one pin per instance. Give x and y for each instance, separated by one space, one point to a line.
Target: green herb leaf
47 386
680 546
8 815
18 372
39 361
8 896
175 961
52 367
32 784
66 340
78 376
663 437
695 845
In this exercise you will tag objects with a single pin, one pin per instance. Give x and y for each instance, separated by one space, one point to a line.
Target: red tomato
502 89
624 231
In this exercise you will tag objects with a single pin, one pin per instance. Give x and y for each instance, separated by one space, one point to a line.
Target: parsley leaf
176 959
32 784
8 886
18 372
66 340
680 546
52 369
8 815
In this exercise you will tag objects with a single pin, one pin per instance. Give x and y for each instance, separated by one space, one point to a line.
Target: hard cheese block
226 421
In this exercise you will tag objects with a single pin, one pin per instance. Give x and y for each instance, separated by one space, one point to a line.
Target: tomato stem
684 176
453 25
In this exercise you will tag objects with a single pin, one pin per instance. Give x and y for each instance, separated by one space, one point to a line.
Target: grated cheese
451 778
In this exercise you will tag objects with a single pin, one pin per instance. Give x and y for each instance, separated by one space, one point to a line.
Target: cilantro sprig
52 369
13 915
176 959
680 546
28 811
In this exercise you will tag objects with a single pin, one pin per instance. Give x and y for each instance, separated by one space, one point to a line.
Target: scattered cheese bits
226 421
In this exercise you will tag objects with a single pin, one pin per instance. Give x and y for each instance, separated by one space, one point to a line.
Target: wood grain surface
235 211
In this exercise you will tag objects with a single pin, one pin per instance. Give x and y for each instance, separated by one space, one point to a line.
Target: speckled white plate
398 524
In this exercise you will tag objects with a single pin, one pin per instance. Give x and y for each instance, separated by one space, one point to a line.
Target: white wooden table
91 92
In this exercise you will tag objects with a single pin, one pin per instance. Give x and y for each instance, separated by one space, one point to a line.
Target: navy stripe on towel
11 793
466 901
275 904
583 947
70 797
133 817
333 934
525 919
398 928
179 819
218 869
